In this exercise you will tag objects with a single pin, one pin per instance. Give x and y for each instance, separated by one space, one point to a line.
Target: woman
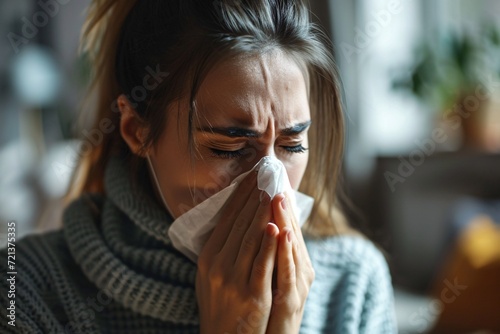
202 90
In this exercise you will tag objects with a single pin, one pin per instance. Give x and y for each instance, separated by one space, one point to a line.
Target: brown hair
127 40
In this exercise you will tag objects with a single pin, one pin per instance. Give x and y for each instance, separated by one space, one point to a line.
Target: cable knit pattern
117 272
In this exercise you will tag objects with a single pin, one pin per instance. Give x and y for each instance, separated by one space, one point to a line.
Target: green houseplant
454 77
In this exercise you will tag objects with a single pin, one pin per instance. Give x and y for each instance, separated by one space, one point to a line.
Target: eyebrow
236 132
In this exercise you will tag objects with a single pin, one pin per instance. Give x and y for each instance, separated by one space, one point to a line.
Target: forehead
252 88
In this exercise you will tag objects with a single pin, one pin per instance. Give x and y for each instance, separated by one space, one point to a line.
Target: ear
132 128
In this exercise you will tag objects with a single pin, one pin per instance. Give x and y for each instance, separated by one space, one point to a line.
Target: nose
256 153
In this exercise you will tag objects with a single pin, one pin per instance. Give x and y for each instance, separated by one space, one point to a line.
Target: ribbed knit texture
112 269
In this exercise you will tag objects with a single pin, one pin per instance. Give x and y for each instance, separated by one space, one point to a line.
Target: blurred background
421 81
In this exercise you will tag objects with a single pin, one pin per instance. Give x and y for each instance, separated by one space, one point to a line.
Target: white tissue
190 231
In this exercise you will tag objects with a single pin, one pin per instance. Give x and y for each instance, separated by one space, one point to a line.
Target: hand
294 272
235 267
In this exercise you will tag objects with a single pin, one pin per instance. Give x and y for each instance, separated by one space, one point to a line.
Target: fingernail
289 235
270 229
283 205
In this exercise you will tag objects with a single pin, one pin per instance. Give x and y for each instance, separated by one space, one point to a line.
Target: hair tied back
102 27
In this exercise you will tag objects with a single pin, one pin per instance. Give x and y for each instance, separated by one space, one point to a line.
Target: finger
286 277
284 215
263 264
284 218
294 222
228 213
253 238
280 211
240 226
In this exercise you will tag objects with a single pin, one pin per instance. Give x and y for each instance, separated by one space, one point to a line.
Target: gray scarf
126 252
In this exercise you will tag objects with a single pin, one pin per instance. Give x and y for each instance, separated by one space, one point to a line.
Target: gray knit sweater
112 269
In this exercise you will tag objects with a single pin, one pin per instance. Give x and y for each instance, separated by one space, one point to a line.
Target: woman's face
248 108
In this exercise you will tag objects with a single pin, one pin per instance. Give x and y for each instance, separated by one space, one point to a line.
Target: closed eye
227 154
241 152
295 149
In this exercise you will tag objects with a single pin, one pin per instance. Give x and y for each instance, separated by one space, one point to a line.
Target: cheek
296 170
214 176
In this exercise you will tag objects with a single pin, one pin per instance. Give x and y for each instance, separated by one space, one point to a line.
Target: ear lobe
132 128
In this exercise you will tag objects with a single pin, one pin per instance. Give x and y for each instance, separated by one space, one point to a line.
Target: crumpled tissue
190 231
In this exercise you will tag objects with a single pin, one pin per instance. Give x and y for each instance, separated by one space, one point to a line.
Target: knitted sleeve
20 282
378 314
352 291
30 291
